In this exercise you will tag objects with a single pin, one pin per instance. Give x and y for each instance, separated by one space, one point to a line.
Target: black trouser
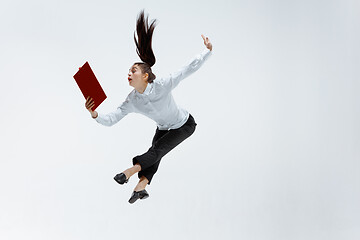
163 142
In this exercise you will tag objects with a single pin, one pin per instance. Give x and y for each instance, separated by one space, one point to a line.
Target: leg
149 172
131 171
142 184
125 175
164 144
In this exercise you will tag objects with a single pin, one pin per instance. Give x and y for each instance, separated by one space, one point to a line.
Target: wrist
94 114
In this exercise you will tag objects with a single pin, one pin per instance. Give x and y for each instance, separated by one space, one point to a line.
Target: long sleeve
174 79
114 117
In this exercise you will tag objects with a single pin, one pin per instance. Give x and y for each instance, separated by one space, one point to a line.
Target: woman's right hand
90 104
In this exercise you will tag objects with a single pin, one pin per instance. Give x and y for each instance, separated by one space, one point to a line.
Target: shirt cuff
206 53
98 117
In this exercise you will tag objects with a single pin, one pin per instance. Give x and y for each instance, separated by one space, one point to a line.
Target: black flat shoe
136 195
121 178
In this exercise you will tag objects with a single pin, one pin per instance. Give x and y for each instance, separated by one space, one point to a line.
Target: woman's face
136 78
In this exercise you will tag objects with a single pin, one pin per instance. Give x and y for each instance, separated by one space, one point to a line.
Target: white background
276 151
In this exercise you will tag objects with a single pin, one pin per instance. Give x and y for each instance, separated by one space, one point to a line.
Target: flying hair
143 41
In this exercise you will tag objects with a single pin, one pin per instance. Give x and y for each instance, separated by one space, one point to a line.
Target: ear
146 76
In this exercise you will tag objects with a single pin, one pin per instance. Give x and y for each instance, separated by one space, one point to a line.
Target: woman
152 97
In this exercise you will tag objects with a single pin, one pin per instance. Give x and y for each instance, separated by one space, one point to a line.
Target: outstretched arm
110 118
174 79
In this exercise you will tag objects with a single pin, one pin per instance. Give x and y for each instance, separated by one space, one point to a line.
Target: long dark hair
143 44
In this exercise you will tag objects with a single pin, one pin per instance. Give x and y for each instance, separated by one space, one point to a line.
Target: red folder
89 85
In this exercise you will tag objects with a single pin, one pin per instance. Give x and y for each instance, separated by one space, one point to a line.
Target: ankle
138 189
127 173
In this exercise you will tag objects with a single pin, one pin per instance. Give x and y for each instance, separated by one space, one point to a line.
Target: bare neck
141 89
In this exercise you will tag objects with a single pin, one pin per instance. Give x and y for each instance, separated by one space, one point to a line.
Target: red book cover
89 85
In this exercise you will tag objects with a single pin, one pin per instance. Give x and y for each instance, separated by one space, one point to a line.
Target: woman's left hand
207 42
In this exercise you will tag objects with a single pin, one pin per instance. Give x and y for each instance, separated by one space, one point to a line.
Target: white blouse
157 102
